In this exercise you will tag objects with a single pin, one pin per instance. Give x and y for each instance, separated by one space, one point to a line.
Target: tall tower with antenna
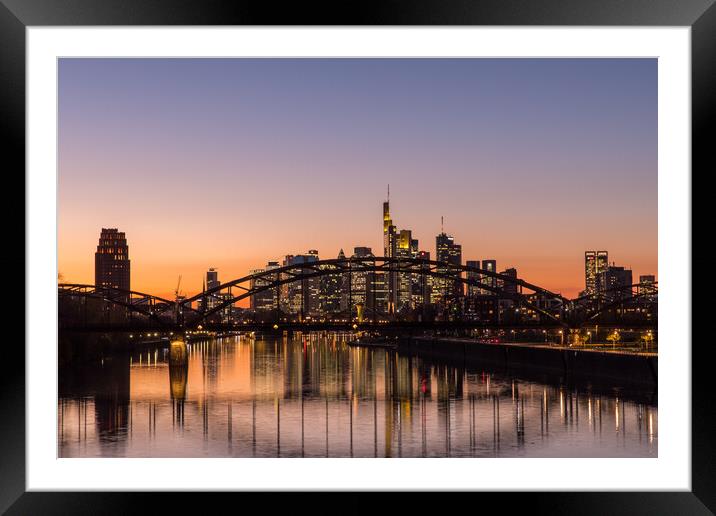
389 250
387 224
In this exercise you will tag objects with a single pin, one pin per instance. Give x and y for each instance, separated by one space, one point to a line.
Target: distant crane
177 294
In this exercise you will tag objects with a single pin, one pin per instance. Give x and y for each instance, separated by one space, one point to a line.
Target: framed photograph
417 248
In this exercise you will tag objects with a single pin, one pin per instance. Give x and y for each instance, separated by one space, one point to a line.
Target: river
317 396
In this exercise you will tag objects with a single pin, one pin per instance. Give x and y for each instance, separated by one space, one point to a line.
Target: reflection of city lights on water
651 427
378 403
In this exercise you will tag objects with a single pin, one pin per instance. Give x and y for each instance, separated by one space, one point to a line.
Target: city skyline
111 242
195 198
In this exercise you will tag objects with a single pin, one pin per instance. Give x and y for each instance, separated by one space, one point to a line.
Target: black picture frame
17 15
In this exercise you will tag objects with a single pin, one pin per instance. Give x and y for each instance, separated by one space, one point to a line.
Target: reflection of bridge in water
505 302
321 397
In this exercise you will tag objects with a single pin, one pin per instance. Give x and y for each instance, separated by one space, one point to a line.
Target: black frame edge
703 114
12 129
700 14
368 12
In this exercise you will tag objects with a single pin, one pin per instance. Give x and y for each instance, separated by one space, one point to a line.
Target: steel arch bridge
273 279
150 306
590 306
554 308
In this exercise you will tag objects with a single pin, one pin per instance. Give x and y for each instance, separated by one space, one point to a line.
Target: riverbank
74 347
622 367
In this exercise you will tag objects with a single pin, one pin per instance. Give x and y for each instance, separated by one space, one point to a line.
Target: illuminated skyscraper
646 284
266 299
406 248
388 229
595 262
611 282
329 298
389 250
314 286
507 286
474 276
111 260
422 282
368 289
301 296
255 300
447 251
210 300
490 281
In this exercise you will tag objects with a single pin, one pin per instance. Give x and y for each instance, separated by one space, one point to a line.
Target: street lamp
614 337
561 337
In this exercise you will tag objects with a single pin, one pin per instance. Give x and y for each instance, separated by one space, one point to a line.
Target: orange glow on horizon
156 263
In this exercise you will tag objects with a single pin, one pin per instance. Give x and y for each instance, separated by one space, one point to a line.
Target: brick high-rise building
111 260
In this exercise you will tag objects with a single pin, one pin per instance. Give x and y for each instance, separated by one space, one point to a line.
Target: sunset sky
229 163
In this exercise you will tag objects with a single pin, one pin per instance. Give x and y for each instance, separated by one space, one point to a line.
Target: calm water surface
316 396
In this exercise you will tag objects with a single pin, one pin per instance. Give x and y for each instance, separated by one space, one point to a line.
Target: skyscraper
266 299
406 248
610 281
490 281
212 278
447 251
388 235
301 296
510 287
473 276
422 282
595 262
368 289
210 300
314 286
389 250
647 287
111 260
329 298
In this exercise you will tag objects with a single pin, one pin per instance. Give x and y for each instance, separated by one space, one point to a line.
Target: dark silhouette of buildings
509 287
612 279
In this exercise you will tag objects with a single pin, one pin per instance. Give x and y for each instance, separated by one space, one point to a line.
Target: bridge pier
178 353
178 368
